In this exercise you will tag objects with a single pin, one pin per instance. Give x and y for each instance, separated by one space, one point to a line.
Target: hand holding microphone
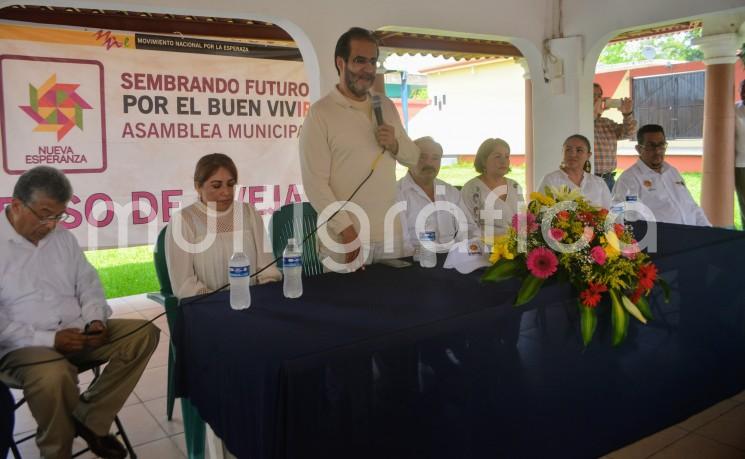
385 134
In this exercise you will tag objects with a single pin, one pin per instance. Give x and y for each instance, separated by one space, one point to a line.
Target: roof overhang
445 46
264 34
656 31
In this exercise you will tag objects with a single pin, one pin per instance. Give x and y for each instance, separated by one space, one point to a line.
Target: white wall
482 101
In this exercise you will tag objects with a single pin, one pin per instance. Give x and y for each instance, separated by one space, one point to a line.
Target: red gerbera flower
592 296
637 294
647 276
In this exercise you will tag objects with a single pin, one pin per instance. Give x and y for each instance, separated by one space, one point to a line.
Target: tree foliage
418 93
677 47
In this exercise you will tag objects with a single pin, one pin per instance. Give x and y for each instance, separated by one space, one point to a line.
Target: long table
421 363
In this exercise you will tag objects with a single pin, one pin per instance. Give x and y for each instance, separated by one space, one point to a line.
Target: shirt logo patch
474 249
647 183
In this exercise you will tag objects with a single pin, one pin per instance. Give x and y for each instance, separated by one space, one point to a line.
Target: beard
358 84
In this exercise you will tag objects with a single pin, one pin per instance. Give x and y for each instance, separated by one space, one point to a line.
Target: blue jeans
610 179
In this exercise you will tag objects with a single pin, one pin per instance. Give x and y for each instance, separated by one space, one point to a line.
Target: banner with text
127 117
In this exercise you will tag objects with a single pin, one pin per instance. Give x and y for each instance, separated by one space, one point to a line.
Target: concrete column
557 96
718 182
529 166
316 45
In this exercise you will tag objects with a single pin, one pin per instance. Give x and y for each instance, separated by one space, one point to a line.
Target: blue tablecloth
419 362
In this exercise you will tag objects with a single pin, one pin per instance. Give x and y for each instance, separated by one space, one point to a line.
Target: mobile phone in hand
613 103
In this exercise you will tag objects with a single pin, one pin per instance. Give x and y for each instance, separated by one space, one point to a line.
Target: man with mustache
341 142
657 184
441 202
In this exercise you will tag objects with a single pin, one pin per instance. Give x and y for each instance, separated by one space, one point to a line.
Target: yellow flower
542 198
611 245
500 249
563 193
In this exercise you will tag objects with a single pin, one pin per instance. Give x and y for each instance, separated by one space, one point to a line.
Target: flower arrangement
562 235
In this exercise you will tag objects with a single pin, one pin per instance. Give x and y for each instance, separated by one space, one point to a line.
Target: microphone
377 109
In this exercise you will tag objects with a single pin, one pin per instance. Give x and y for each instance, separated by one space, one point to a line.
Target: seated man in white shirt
53 310
447 214
655 183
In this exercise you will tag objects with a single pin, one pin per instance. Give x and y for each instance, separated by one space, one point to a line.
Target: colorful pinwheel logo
56 107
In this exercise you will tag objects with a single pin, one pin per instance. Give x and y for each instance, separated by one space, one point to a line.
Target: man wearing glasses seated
53 310
657 184
420 189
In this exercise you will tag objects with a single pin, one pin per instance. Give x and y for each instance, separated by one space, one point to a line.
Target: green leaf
528 289
619 319
643 306
501 270
665 288
588 323
633 310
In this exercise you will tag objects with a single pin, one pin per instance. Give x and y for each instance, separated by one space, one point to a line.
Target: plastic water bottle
239 271
427 257
292 268
631 200
617 210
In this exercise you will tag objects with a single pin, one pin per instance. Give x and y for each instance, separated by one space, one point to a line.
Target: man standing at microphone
342 141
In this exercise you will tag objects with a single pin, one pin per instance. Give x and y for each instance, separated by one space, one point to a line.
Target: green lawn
125 272
130 271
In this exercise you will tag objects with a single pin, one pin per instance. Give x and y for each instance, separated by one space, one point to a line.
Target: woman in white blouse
574 173
491 192
201 237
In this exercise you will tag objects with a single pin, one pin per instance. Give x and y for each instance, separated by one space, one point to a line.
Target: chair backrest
161 267
283 226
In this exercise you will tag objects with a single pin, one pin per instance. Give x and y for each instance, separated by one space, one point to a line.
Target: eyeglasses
359 60
50 219
654 146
